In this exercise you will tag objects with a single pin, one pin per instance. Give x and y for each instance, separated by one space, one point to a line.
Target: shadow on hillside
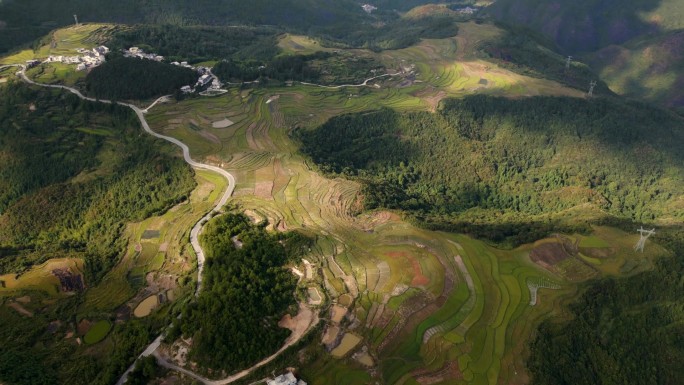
580 25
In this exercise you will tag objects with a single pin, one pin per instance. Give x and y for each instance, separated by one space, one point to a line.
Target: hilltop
21 22
588 25
635 46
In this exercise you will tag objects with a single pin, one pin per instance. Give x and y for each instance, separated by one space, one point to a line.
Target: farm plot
425 303
97 332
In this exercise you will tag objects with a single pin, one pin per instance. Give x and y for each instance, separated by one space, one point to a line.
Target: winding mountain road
194 233
364 84
309 316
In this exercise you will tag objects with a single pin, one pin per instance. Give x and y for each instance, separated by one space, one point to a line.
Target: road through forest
308 315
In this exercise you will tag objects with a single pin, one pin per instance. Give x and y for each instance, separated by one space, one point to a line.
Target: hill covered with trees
511 170
588 25
320 67
24 21
76 171
123 78
245 292
622 331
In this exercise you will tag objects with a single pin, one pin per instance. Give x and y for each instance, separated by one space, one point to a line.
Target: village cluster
205 78
96 56
89 58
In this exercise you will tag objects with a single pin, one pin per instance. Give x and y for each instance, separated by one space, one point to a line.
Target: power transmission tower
591 88
644 236
76 20
567 63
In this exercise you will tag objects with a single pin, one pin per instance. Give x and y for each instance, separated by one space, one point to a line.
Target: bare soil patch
330 335
24 299
418 278
598 252
20 309
338 313
68 280
83 327
287 322
450 371
263 189
549 253
254 216
225 123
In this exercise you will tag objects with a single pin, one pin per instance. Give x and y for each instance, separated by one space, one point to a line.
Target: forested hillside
24 21
340 20
76 172
587 25
123 78
495 166
529 54
196 44
245 293
648 68
627 331
320 67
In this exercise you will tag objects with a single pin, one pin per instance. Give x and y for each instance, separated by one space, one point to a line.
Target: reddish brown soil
596 252
450 371
83 327
548 253
418 278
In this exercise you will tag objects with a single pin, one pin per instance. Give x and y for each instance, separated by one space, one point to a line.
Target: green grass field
97 332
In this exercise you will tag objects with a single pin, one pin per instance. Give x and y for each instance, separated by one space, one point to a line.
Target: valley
400 252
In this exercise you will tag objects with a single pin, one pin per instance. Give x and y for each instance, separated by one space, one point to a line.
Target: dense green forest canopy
245 293
323 67
340 21
480 160
196 44
34 355
122 78
37 147
627 331
79 171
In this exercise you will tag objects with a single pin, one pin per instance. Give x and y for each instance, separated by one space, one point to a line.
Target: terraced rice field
39 277
422 304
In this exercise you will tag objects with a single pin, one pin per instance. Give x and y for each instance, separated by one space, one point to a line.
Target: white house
204 80
101 50
186 89
285 379
368 8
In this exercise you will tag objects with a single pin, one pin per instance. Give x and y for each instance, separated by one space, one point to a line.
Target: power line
644 236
